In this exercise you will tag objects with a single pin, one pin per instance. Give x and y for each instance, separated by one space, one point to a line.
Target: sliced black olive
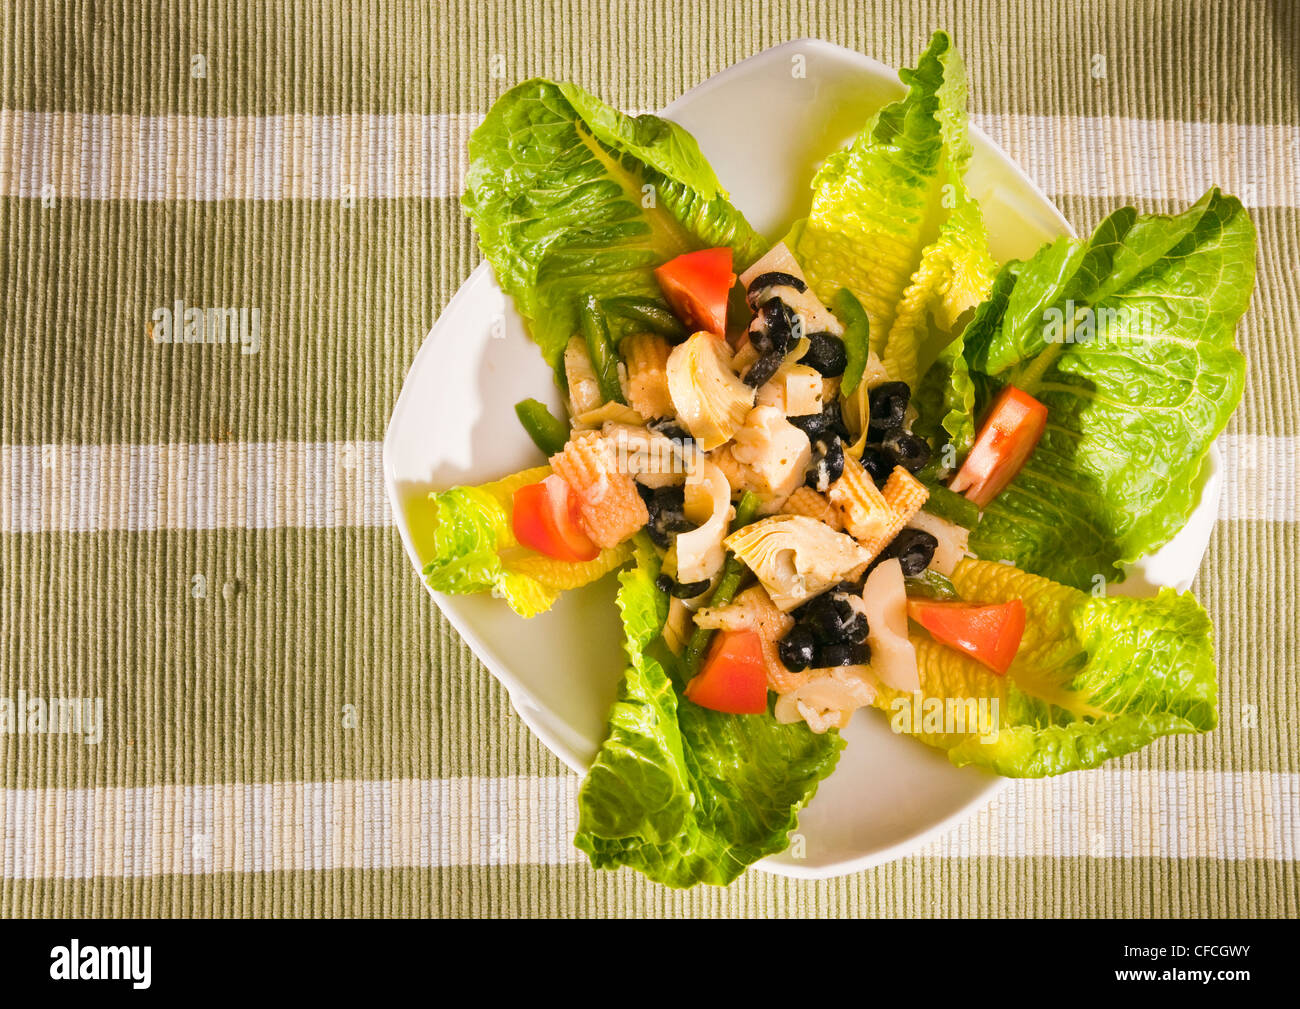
827 463
826 353
832 619
797 649
766 281
914 549
670 429
843 655
774 327
667 508
888 407
877 462
682 590
764 368
830 419
908 450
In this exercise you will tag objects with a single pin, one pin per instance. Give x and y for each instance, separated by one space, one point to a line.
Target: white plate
764 130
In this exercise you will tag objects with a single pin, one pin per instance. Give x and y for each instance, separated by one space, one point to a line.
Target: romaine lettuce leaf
475 550
680 793
892 221
1127 337
572 199
1095 677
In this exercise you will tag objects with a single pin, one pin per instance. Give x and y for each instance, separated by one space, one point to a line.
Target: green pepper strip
951 505
604 359
857 337
647 313
732 572
548 432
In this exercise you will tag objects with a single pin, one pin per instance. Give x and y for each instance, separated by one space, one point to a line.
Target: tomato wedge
988 634
545 518
1010 433
734 678
697 285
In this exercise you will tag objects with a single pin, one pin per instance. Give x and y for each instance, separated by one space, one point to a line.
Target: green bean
732 572
548 432
650 314
857 333
951 506
604 359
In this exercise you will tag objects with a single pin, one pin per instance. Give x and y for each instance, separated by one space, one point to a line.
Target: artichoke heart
708 395
796 557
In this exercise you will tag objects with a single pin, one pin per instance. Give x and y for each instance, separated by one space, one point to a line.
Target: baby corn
807 502
609 505
903 495
865 512
647 378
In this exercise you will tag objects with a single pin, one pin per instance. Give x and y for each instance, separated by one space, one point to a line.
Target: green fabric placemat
198 538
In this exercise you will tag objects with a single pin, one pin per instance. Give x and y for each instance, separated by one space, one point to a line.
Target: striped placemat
264 713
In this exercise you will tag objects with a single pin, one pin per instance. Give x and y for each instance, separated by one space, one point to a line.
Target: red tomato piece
697 285
1010 433
988 634
734 678
545 518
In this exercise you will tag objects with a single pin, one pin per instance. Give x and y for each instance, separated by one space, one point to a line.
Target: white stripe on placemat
326 485
200 829
97 156
215 485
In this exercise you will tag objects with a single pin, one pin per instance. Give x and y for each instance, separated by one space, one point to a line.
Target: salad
859 465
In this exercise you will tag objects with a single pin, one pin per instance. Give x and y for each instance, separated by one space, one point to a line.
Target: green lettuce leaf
1095 678
892 221
680 793
1127 337
474 549
572 199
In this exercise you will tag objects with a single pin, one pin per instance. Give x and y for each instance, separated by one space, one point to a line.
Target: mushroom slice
710 398
827 699
708 502
893 659
796 557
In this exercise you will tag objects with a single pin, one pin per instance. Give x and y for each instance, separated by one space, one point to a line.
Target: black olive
670 429
766 281
826 353
682 590
667 508
827 463
774 327
843 655
832 619
830 419
877 462
914 549
811 424
888 407
908 450
764 368
797 649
